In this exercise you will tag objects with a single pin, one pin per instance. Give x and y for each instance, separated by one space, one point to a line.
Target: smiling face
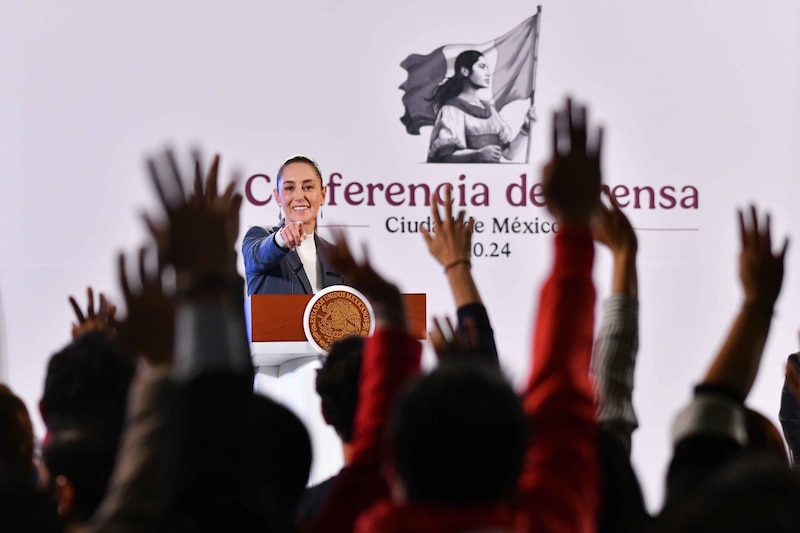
300 194
480 75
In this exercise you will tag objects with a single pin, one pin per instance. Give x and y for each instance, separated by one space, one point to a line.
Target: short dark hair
300 158
754 493
283 440
85 455
260 464
762 435
24 508
87 380
458 435
16 432
337 384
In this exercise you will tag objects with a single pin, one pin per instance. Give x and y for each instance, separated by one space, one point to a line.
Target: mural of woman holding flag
445 89
468 129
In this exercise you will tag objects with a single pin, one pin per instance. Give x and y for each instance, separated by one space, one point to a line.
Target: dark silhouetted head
79 461
24 508
337 385
754 494
16 433
86 381
458 436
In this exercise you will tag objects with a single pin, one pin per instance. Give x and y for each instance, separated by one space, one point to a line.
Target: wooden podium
276 333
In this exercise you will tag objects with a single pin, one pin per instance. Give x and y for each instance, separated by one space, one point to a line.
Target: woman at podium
287 259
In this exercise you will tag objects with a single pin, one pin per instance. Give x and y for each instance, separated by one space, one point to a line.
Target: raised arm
197 240
451 245
210 451
559 483
617 342
613 362
202 264
711 430
131 500
761 273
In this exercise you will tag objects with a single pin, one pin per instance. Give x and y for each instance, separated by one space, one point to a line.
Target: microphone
296 270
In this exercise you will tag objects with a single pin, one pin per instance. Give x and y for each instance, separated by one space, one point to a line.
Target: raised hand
384 295
102 320
206 194
200 232
448 344
611 227
148 330
572 177
451 242
760 270
293 234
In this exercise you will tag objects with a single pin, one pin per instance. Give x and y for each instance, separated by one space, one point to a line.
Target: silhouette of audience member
16 436
710 435
337 386
87 380
24 508
763 436
753 494
337 381
613 362
83 407
79 461
360 484
130 503
463 413
248 473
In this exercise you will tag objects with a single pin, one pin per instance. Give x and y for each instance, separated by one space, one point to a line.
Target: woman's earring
320 213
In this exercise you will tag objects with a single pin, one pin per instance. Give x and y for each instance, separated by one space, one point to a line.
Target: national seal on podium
334 313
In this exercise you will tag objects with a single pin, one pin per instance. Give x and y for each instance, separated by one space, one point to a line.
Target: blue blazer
270 269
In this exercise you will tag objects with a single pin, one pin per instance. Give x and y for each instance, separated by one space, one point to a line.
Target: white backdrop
700 94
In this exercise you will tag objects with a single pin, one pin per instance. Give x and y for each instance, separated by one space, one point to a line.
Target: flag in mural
513 56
